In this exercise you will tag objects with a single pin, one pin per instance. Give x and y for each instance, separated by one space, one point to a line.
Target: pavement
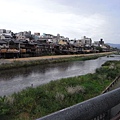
54 57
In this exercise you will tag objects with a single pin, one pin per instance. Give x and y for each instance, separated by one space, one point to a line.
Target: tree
100 49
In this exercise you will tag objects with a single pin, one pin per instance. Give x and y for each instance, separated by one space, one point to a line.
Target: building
2 30
5 34
96 44
24 35
85 41
47 35
101 42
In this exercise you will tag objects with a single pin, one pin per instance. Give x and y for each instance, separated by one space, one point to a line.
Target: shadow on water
39 69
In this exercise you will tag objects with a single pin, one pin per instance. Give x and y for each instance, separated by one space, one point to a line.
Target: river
17 79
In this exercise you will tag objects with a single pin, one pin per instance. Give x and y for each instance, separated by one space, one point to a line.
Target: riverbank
25 62
36 102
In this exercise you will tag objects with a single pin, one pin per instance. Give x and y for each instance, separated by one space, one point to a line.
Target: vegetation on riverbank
18 64
37 102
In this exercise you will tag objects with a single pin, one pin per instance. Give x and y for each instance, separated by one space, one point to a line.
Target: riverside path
56 56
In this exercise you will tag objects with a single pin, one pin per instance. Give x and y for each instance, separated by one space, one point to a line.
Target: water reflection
17 79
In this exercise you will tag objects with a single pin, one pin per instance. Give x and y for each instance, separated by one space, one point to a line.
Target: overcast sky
71 18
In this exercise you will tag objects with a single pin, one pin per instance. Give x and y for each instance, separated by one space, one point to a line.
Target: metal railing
111 85
96 108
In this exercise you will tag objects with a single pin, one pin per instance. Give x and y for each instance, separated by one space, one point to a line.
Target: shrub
74 90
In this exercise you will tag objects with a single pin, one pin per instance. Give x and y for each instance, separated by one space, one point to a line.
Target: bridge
103 107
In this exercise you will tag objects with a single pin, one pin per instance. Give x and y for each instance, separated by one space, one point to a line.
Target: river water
17 79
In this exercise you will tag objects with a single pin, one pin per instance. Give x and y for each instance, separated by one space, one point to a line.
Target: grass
33 103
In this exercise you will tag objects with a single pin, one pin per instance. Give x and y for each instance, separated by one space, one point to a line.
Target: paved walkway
55 56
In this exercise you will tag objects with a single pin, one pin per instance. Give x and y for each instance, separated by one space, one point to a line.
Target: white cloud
51 17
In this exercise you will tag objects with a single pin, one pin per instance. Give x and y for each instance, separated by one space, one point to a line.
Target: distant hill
114 45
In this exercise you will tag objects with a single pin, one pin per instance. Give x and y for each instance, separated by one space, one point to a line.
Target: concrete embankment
3 61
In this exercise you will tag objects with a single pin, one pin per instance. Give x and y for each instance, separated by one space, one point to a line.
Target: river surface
17 79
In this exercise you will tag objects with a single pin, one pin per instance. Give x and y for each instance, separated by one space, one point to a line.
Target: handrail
111 85
88 109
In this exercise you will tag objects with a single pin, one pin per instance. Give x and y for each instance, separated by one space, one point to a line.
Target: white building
86 41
